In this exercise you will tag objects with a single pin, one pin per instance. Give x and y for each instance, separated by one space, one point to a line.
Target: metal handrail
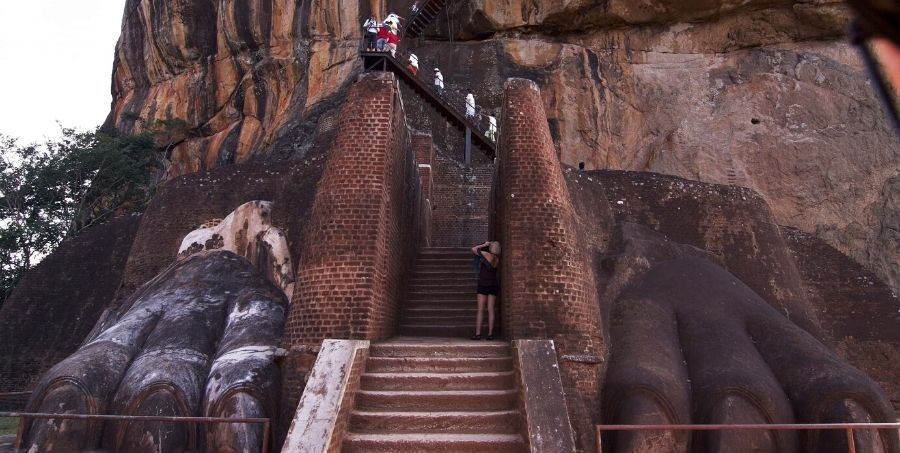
849 427
452 98
426 86
414 17
22 416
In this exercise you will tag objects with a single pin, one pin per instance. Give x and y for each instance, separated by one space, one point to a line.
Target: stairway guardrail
423 17
850 429
451 99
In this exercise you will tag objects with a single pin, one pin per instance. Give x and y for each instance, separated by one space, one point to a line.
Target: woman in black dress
488 285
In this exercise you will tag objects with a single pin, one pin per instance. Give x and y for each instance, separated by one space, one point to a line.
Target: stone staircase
428 394
440 299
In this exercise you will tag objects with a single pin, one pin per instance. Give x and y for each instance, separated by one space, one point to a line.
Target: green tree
56 190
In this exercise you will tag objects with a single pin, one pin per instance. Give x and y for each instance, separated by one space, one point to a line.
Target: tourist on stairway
488 255
371 29
492 128
392 20
393 39
383 32
413 64
438 82
470 106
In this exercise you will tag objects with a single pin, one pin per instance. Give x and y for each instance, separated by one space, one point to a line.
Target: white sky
56 64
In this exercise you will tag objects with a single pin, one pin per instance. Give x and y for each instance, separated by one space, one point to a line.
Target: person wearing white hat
438 82
492 128
413 64
470 106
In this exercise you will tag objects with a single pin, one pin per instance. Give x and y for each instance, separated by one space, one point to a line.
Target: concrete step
460 260
444 250
439 320
423 306
429 309
454 331
438 365
438 381
436 401
442 286
497 422
455 265
439 310
436 271
437 294
446 256
466 259
432 309
470 300
444 443
438 279
469 281
447 349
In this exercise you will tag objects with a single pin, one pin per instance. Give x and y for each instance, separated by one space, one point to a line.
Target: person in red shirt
393 40
382 35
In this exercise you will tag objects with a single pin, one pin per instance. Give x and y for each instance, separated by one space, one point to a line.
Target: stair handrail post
468 146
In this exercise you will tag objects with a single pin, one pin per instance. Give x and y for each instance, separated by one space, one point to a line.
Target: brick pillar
548 289
361 235
341 281
423 146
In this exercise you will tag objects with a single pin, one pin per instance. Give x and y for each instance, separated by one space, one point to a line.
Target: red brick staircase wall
362 234
548 289
461 202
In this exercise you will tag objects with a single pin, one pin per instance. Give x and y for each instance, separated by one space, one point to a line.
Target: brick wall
859 312
461 198
362 233
350 275
56 304
424 149
185 203
547 283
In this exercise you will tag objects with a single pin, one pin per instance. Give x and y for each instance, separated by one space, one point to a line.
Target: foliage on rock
56 190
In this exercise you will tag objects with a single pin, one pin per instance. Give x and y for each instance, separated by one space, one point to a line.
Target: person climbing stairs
453 110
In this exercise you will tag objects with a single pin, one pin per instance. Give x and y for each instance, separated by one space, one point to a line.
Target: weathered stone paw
693 344
200 339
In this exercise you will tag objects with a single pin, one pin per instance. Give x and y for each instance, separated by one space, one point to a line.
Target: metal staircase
383 61
423 18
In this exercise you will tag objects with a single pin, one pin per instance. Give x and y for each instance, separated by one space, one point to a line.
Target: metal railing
22 416
454 95
850 428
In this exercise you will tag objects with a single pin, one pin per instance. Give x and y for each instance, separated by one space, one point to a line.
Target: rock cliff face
239 78
764 95
759 93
